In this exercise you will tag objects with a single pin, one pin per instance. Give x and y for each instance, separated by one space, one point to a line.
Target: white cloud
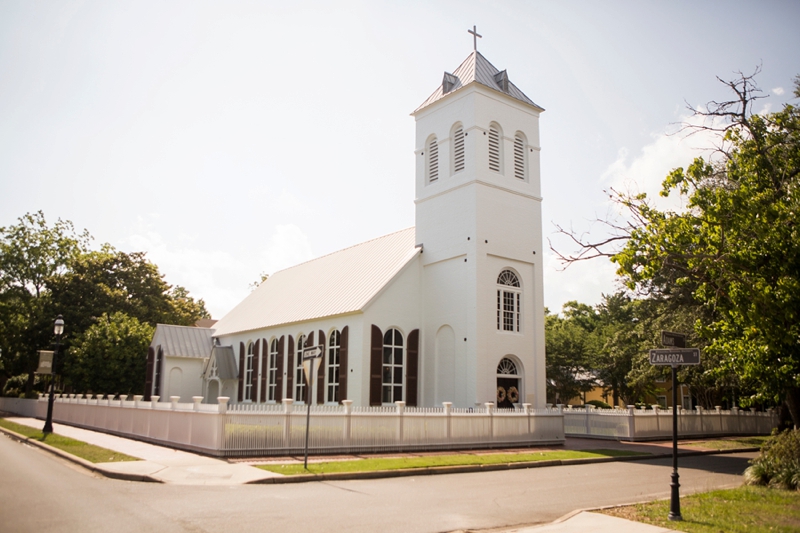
288 246
778 90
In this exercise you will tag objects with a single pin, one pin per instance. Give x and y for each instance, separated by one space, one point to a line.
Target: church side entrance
507 384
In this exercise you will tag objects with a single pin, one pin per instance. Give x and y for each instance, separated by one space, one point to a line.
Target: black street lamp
58 329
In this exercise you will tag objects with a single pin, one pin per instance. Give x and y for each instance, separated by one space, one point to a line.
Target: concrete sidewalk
167 465
159 463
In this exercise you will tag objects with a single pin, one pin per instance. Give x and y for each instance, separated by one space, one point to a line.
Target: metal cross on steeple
475 35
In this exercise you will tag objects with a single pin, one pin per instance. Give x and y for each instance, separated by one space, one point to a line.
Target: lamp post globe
58 330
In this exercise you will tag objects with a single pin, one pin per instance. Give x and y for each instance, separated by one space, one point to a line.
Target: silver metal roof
477 69
335 284
182 341
226 362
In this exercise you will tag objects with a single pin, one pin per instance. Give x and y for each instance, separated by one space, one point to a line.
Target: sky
230 139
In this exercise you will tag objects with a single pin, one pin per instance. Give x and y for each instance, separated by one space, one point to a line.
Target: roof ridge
343 249
181 326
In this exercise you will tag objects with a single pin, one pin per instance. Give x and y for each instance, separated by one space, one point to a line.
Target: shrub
778 464
599 404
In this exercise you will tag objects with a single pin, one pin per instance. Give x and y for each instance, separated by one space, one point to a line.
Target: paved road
39 492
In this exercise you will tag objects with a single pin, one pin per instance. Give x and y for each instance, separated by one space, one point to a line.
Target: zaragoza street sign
675 356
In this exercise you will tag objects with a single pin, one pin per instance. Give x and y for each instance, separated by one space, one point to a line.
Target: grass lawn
93 454
746 509
397 463
727 444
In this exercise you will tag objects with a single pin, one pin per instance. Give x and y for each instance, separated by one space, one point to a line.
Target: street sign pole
309 356
675 497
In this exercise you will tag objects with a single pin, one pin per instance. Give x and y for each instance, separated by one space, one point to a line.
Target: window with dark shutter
248 373
334 354
375 365
393 367
412 368
272 371
320 387
342 393
299 375
240 393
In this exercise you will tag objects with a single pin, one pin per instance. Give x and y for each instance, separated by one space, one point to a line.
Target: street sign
45 362
675 356
312 353
676 340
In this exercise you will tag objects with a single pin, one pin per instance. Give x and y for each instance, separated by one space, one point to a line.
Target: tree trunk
793 402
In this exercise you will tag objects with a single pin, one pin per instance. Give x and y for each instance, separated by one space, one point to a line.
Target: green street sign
675 356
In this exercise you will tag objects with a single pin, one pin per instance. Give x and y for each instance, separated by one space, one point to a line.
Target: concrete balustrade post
348 413
174 401
137 400
489 406
448 411
631 421
153 401
197 400
401 409
222 404
287 421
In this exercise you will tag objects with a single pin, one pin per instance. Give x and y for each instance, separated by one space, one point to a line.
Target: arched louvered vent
433 160
458 149
519 157
494 149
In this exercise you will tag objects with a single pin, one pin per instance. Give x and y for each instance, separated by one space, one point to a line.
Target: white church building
450 310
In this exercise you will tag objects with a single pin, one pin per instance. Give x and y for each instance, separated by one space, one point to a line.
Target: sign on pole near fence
675 356
310 355
45 362
678 340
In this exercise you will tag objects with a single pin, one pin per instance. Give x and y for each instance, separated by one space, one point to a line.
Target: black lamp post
58 329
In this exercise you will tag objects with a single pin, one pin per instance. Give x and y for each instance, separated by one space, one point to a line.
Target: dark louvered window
458 149
433 160
519 157
494 149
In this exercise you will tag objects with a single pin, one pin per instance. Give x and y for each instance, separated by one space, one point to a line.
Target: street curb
79 461
464 469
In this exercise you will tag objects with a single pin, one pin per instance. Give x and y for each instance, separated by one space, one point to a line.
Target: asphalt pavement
169 466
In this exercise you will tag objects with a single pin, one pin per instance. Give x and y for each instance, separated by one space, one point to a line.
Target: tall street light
58 329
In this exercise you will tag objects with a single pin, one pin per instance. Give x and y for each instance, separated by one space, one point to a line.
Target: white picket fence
656 424
270 429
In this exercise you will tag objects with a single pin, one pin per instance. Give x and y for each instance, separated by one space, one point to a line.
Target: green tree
108 358
32 253
735 248
569 352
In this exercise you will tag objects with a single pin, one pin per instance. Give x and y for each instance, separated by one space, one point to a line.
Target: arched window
299 375
520 159
333 367
248 373
508 384
393 367
272 376
432 159
457 136
509 302
495 147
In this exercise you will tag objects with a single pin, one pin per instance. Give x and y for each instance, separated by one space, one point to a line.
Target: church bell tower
478 219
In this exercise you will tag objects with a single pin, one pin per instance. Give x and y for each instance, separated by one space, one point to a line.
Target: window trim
299 374
249 357
393 367
509 291
272 370
332 367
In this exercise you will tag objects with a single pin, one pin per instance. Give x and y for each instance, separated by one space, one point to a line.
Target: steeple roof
477 69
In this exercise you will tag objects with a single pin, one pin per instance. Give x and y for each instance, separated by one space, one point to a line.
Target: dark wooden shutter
375 366
343 365
279 372
159 370
254 375
412 368
264 368
148 374
321 371
290 368
241 371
